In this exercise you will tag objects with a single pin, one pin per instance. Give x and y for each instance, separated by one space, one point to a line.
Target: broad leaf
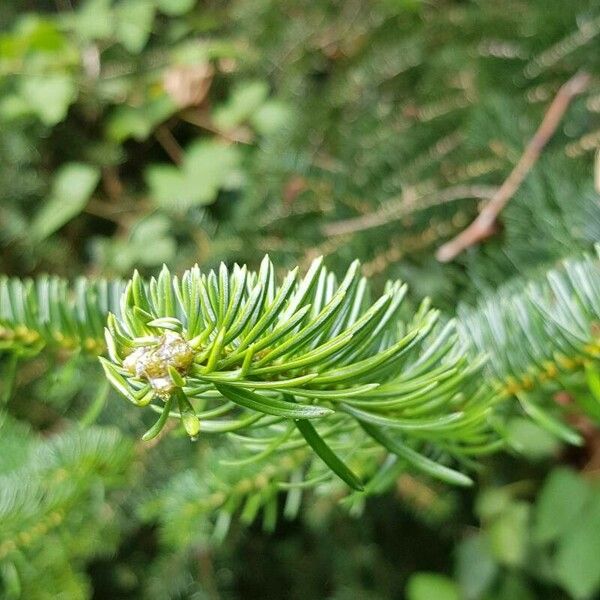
49 96
560 502
244 101
208 166
430 586
134 23
509 533
71 189
174 8
475 567
577 563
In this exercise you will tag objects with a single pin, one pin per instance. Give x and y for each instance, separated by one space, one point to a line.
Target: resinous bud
154 361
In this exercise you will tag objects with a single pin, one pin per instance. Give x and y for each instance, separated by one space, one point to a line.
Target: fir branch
49 312
233 352
36 498
538 337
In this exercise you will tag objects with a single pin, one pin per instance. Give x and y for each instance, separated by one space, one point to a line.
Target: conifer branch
307 362
312 363
538 338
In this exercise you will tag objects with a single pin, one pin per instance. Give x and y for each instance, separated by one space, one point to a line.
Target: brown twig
484 225
240 135
597 171
112 184
99 210
407 203
206 573
170 145
117 214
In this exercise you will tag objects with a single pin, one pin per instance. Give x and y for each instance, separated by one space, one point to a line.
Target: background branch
484 225
409 202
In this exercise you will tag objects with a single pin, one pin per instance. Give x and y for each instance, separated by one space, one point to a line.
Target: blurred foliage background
140 132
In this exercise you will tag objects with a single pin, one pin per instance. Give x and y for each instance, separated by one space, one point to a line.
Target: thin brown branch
485 224
206 573
597 171
170 145
409 202
122 214
99 210
240 135
112 184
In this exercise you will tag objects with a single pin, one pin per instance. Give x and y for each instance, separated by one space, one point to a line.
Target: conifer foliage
151 422
310 358
317 362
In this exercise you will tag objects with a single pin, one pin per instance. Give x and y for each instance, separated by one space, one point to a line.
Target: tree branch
484 225
409 202
170 145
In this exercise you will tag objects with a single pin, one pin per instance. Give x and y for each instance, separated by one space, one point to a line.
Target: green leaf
559 503
49 96
13 107
529 439
508 534
208 166
515 586
589 400
166 184
245 99
94 20
190 420
492 502
277 384
271 406
593 380
268 451
431 586
36 34
271 117
126 254
11 581
475 567
175 376
16 442
577 564
134 23
117 380
327 455
71 189
138 122
174 8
